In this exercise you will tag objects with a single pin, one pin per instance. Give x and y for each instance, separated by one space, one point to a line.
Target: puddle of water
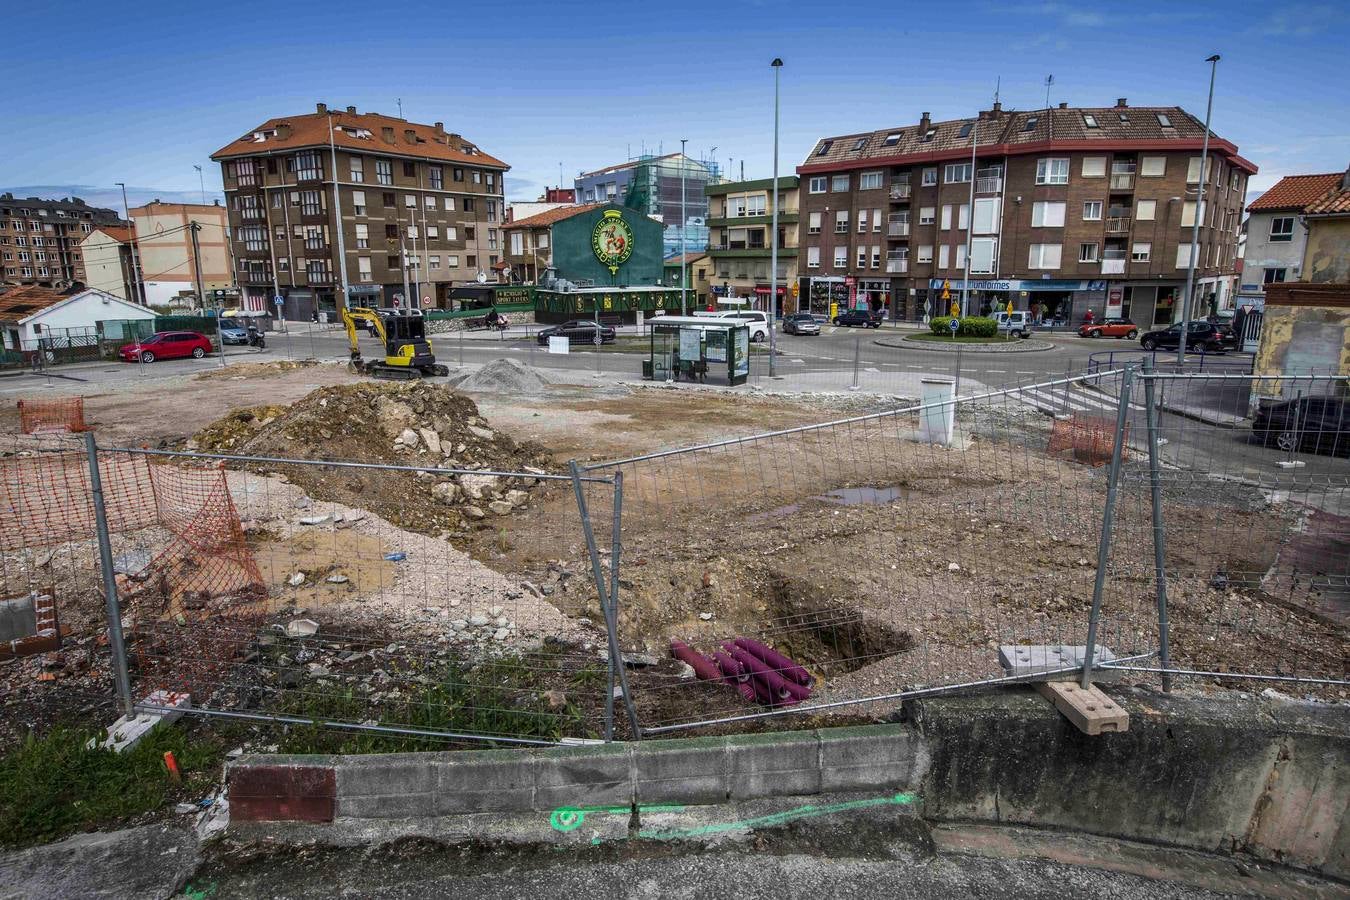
864 496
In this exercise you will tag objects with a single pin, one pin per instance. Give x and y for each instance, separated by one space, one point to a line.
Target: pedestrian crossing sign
947 289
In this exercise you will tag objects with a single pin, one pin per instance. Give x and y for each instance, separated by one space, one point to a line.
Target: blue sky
140 92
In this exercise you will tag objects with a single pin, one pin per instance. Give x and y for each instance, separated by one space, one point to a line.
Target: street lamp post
777 66
1195 224
684 221
137 287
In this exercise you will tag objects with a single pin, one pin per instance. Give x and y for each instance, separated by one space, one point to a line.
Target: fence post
113 608
1159 529
610 613
461 348
857 354
1108 517
612 620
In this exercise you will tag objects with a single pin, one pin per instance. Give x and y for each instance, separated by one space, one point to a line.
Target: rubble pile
412 424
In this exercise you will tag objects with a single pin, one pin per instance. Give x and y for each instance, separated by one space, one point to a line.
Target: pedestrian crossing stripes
1062 399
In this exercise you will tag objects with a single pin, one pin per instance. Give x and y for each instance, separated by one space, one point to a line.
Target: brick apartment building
1074 209
414 199
39 239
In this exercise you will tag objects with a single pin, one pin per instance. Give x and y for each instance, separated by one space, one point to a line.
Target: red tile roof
1021 131
311 130
1334 202
688 258
1295 192
21 302
551 216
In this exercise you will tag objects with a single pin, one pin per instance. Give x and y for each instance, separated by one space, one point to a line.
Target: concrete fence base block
128 731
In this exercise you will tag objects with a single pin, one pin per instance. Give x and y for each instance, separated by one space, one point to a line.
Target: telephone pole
1195 223
777 66
193 228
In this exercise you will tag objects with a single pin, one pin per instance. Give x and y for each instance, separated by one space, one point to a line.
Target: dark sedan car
1199 336
800 323
861 317
1315 424
577 331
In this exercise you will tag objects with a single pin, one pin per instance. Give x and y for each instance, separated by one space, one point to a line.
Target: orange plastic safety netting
62 414
1091 438
199 596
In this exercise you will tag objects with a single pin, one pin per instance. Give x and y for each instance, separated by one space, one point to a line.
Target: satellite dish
482 278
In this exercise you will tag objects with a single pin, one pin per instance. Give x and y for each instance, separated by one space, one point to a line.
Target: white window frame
957 173
1052 170
924 254
1281 236
869 181
1152 166
1093 167
1092 210
946 218
836 181
928 177
817 184
1040 256
1144 255
841 256
1184 253
813 223
862 221
927 215
944 256
1047 214
813 257
1086 256
983 255
1140 215
841 221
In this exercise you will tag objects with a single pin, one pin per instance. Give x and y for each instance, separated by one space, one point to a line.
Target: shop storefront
1050 301
820 293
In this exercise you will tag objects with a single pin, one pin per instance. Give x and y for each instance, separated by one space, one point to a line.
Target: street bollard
857 354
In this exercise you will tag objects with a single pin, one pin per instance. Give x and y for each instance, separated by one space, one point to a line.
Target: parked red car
166 345
1116 328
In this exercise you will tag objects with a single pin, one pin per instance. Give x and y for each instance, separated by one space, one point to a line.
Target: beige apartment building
420 210
164 245
740 219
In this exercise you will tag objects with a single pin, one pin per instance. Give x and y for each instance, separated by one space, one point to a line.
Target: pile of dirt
241 371
417 424
504 377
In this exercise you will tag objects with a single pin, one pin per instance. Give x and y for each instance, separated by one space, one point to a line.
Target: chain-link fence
1173 524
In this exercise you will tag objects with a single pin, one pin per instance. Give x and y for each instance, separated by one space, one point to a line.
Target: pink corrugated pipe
781 692
777 661
701 665
735 675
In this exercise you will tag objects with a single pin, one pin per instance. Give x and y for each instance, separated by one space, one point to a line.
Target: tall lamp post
137 286
1195 223
777 66
684 221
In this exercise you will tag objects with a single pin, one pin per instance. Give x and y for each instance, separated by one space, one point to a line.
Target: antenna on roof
1049 80
399 101
998 83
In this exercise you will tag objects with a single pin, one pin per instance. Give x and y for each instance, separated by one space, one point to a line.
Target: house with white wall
1277 233
28 313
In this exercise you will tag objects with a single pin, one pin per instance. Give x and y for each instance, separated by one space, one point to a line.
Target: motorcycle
256 339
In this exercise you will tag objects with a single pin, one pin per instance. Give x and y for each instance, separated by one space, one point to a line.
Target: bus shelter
699 351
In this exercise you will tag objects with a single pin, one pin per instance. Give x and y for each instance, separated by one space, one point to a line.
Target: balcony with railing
1122 181
900 190
992 184
896 265
1118 225
897 229
1113 260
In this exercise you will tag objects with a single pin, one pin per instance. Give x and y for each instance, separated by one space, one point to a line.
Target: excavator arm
360 314
411 358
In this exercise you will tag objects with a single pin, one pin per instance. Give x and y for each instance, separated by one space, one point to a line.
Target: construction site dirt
876 569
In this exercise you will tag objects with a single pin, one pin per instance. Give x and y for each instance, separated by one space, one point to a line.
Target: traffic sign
947 289
279 300
1010 309
954 325
956 309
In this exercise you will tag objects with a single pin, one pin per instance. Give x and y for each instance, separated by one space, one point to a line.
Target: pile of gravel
503 376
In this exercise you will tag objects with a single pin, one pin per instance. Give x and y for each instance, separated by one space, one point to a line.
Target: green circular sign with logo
612 240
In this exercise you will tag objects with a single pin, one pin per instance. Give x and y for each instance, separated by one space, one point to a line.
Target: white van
1017 323
758 322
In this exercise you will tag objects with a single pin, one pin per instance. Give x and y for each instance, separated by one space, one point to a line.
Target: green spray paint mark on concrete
570 818
809 811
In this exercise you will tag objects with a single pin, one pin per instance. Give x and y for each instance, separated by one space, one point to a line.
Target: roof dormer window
1090 120
1031 123
1164 121
824 148
859 144
892 139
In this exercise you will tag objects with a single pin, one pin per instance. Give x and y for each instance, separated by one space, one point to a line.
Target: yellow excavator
407 352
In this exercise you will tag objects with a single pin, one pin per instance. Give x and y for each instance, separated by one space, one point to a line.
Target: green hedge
971 326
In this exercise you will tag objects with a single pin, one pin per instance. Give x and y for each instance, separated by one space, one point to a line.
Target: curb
1029 345
1187 412
689 771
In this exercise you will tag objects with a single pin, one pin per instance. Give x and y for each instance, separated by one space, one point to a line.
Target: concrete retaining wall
1259 775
